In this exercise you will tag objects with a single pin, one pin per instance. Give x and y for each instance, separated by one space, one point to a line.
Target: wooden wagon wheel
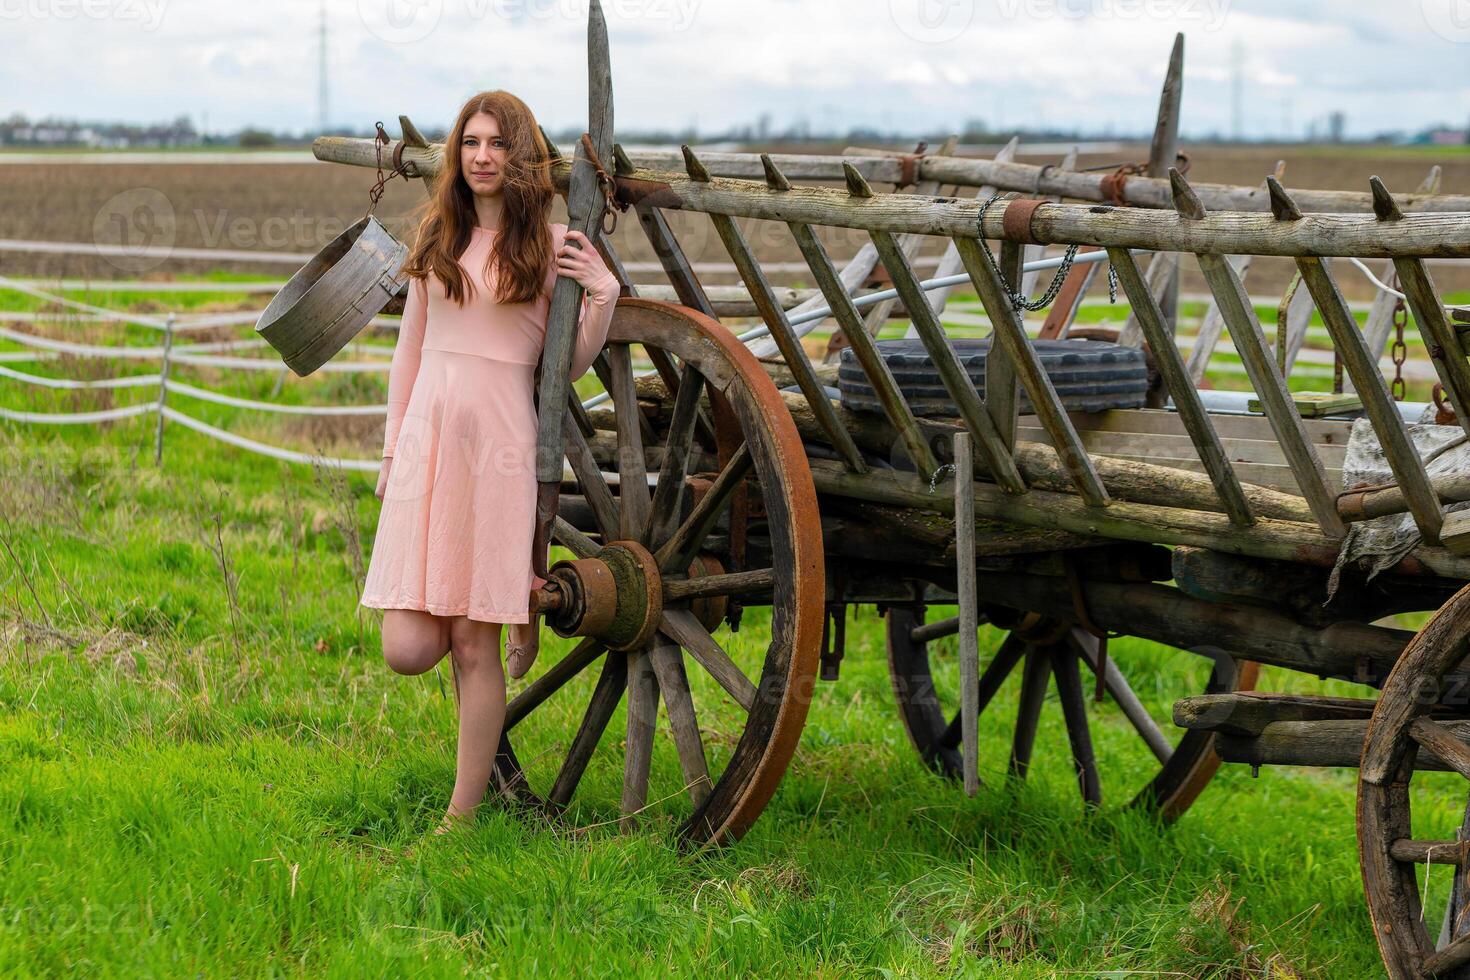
653 590
1042 651
1413 728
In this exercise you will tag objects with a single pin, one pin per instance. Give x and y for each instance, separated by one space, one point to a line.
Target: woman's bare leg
414 641
481 682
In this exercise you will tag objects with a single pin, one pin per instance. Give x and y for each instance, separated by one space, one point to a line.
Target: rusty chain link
1400 351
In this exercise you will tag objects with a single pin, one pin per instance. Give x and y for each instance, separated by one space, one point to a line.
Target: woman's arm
407 353
598 303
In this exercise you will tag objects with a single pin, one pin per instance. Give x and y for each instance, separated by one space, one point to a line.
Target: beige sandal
520 656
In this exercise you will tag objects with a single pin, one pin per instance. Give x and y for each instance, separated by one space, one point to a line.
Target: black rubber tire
1089 375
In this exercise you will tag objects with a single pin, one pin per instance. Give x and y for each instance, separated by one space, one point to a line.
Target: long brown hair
521 254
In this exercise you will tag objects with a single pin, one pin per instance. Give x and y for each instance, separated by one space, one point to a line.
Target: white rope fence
215 354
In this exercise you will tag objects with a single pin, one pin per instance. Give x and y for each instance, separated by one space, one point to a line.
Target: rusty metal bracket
1016 221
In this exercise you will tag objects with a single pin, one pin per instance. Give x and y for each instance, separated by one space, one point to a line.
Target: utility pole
322 90
1237 62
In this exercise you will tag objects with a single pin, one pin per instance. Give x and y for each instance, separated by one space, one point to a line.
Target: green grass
195 784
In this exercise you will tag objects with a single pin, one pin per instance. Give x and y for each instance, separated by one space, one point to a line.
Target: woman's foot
522 643
452 819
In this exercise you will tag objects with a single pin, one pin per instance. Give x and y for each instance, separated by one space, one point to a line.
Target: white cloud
1068 63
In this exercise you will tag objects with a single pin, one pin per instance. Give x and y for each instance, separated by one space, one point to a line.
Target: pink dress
454 535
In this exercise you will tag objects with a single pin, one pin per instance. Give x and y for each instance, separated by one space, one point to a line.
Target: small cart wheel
1415 866
656 574
1163 774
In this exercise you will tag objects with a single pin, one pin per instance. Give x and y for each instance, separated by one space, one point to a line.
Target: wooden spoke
1085 645
642 722
753 582
572 539
1000 667
633 500
1411 851
1028 714
1453 956
552 681
1079 733
704 430
590 479
935 630
1443 743
668 667
669 495
605 698
679 550
1457 911
681 626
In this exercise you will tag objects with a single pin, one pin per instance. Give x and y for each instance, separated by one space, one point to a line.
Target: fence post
168 343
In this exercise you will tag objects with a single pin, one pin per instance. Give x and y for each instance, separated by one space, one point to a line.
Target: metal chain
375 193
1400 350
1018 299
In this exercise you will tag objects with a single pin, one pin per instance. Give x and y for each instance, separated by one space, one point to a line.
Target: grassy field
206 769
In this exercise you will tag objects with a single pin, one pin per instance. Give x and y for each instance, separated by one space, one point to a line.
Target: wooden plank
1176 380
1270 387
1207 338
1011 336
1445 351
1002 386
1146 444
791 350
964 509
1325 433
947 364
864 348
1388 425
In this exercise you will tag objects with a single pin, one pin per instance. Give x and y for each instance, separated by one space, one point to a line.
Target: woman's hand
383 477
578 260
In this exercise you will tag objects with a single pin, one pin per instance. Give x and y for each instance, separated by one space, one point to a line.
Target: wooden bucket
331 298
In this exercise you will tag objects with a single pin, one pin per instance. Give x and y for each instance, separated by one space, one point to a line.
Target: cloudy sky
920 66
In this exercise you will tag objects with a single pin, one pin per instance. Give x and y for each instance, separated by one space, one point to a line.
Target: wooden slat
1445 350
1002 386
1408 468
947 364
879 375
1011 336
671 256
1443 743
964 522
1207 338
1176 379
792 352
1270 387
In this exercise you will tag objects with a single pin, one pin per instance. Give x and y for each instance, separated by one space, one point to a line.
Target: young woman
451 561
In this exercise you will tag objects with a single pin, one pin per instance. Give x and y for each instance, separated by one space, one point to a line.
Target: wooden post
168 343
964 510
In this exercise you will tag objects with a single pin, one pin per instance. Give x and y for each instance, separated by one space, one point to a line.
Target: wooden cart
719 480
